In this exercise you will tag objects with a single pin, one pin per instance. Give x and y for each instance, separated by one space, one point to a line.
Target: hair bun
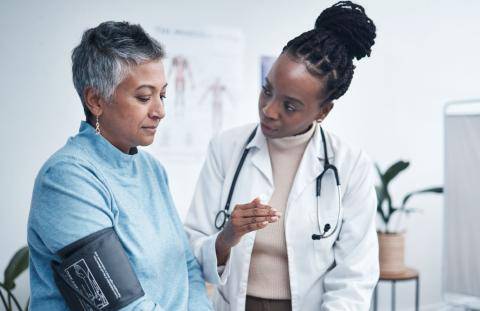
348 22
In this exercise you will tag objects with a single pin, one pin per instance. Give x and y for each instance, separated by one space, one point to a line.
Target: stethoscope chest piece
221 219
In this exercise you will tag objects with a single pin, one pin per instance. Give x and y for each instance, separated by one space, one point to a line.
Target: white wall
426 54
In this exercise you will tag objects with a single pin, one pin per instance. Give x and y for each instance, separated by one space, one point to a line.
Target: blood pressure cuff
95 273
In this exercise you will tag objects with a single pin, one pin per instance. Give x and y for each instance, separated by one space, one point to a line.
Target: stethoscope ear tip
326 228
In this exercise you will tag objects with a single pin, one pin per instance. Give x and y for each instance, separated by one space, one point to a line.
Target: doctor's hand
244 218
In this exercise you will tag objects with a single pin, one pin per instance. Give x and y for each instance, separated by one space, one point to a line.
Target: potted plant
391 238
15 267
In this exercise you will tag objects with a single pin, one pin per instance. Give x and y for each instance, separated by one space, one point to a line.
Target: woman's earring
97 127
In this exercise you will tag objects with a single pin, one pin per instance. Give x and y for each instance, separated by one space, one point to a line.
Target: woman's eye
163 97
143 99
266 91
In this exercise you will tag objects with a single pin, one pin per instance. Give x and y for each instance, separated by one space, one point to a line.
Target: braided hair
342 32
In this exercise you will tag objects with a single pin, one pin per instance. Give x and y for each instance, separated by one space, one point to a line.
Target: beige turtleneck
268 276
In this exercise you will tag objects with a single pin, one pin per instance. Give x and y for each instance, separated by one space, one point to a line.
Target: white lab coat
336 273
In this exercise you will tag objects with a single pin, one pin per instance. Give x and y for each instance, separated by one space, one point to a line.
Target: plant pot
392 252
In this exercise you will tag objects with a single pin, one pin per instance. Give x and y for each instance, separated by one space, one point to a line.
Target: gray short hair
105 54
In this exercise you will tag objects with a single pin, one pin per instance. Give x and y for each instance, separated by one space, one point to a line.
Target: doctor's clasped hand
244 218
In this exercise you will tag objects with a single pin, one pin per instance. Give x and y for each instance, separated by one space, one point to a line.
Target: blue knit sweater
89 185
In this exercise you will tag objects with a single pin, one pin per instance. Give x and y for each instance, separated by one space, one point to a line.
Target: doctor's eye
289 107
163 97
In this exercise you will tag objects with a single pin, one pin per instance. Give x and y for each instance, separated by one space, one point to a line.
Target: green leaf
427 190
393 171
379 171
16 266
380 194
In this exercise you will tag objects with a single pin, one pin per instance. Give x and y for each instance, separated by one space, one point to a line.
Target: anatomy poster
204 75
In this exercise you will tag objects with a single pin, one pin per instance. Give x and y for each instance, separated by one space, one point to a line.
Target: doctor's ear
325 109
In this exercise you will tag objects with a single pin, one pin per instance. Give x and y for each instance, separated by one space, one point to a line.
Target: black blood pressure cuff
95 273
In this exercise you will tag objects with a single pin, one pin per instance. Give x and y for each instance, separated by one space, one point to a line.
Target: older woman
100 181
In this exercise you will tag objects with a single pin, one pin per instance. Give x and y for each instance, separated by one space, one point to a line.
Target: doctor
283 217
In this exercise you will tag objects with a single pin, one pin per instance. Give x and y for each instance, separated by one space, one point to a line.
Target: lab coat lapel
260 156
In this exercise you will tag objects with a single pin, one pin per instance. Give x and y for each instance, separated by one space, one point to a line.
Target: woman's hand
244 218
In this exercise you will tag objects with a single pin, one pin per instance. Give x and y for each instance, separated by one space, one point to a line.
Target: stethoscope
223 215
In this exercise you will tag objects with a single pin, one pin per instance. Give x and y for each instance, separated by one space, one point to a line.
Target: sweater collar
292 142
315 144
101 149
